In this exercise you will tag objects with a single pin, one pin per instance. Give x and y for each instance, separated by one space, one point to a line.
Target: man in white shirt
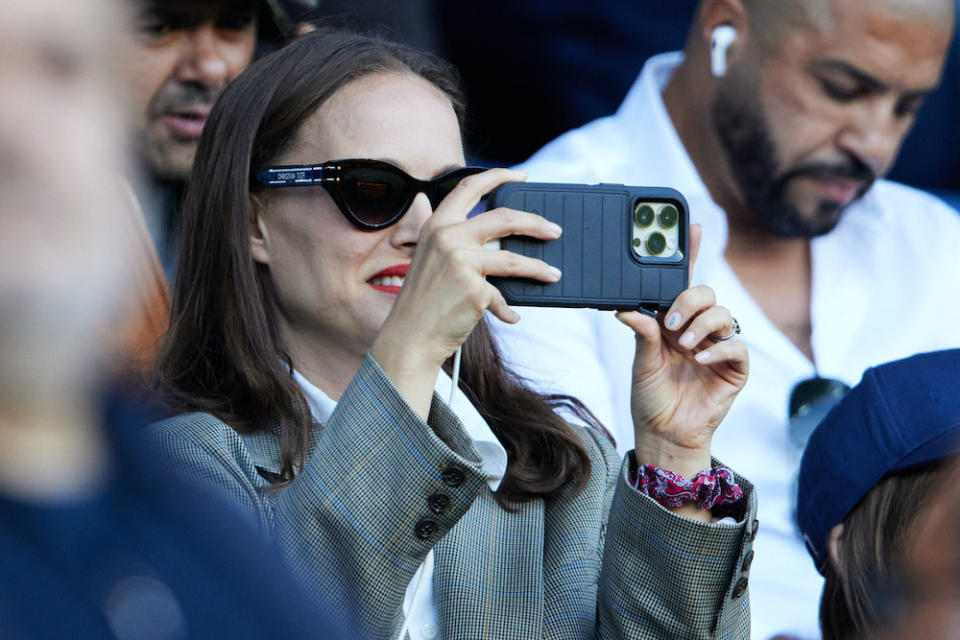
776 131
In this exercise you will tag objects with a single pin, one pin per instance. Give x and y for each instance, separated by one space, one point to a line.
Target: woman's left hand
683 382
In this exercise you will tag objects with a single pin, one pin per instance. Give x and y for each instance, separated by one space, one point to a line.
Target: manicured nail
557 229
673 321
554 272
703 356
686 340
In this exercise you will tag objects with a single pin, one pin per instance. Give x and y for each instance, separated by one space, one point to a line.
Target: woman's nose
407 229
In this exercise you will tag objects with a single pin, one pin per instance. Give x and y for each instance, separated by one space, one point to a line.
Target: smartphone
623 247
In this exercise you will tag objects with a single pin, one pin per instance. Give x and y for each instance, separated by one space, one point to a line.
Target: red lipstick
388 279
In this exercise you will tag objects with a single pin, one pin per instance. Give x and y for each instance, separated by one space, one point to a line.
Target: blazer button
438 503
453 476
425 529
740 588
754 526
747 561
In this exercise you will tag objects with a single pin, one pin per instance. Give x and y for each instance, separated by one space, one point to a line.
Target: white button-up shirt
418 604
884 287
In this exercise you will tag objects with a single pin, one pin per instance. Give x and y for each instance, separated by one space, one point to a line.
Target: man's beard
751 154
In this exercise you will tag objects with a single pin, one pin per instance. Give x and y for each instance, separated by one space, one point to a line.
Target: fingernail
703 356
673 320
557 229
686 340
555 273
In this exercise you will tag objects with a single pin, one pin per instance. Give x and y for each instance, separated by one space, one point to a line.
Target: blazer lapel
488 576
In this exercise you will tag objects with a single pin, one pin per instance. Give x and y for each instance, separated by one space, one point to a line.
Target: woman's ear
834 545
257 231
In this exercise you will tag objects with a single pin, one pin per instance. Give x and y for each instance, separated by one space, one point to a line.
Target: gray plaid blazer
380 489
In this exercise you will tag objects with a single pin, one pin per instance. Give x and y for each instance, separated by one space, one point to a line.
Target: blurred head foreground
61 149
869 477
816 99
925 595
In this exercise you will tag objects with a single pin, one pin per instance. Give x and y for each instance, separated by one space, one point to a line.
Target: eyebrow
863 78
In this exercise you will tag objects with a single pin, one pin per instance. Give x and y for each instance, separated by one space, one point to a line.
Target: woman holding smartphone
329 274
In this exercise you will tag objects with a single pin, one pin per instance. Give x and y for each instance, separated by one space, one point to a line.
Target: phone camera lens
656 243
669 216
643 214
637 242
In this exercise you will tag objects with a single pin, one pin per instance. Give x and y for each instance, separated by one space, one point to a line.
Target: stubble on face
744 133
169 155
773 183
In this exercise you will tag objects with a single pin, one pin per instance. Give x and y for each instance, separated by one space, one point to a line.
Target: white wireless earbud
720 40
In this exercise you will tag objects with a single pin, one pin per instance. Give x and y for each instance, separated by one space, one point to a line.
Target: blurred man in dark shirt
96 541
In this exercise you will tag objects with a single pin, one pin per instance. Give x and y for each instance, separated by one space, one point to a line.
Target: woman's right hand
445 292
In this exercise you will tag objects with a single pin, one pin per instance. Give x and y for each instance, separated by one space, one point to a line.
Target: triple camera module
656 233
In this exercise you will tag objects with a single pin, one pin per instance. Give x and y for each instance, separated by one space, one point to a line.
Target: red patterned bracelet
707 489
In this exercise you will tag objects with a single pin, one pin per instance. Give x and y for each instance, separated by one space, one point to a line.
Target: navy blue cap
902 414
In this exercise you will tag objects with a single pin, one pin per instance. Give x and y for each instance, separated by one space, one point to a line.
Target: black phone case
600 269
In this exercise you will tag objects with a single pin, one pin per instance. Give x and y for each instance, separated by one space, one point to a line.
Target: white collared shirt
884 287
418 603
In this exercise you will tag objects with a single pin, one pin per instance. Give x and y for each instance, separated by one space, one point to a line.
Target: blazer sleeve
666 576
359 512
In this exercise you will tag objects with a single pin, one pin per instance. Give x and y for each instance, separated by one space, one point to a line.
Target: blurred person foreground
777 123
925 591
877 483
96 539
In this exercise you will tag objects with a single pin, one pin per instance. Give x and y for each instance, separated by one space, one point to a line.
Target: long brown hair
223 354
876 534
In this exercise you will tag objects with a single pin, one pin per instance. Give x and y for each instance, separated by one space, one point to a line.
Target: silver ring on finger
734 331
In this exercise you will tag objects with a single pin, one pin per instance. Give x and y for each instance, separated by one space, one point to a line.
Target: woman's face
329 275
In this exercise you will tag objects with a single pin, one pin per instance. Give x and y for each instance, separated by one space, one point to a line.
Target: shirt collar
645 117
493 456
321 405
663 159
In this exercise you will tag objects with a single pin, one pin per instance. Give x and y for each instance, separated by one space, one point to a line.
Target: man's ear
727 14
834 545
257 231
